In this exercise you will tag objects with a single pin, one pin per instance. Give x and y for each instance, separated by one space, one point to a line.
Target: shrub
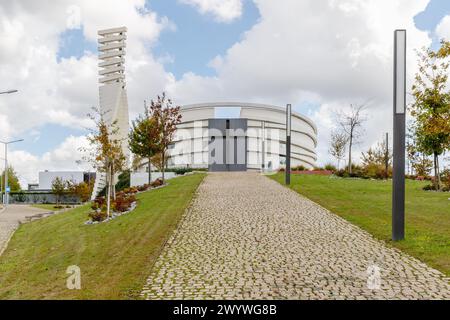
342 173
123 181
282 170
429 187
445 177
132 197
374 171
330 167
142 188
98 215
157 183
179 171
122 204
81 190
299 168
99 203
134 190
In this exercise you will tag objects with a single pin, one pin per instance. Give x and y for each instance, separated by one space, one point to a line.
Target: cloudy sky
319 55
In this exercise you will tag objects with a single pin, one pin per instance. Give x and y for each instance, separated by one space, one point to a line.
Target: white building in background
46 178
112 92
254 141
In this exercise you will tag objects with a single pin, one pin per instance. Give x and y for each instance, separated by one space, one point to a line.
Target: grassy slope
115 258
49 207
368 205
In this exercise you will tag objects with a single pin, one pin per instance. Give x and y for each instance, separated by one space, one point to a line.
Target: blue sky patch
72 43
47 138
198 38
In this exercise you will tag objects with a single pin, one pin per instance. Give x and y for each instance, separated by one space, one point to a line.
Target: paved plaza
247 237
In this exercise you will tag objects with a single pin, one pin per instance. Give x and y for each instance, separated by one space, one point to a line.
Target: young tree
379 156
351 123
58 188
82 190
431 107
337 146
13 180
420 163
157 161
167 117
105 154
145 139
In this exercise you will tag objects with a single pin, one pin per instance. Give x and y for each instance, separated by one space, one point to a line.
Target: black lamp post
288 143
398 181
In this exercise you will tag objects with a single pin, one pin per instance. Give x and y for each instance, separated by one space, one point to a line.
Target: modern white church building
256 140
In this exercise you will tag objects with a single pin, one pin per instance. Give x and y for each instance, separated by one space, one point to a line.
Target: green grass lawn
367 204
49 207
115 257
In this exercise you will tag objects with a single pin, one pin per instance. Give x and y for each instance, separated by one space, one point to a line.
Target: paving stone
247 237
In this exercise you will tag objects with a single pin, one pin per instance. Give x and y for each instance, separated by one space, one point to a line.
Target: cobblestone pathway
247 237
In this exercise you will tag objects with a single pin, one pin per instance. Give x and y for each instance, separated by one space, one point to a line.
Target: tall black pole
288 143
398 179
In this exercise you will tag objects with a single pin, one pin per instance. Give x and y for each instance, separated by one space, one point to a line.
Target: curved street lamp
6 143
9 91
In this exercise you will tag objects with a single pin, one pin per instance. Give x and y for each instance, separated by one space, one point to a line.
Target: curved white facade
265 137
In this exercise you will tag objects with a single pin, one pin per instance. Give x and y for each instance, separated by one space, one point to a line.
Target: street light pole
1 181
398 178
5 200
288 143
9 91
6 176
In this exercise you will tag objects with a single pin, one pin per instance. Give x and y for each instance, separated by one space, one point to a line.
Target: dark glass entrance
227 145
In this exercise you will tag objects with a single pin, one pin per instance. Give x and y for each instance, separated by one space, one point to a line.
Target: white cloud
62 158
443 28
329 53
339 52
63 91
222 10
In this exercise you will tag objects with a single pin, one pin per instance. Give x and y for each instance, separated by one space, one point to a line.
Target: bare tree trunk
108 193
113 183
437 176
149 171
112 186
163 165
350 154
438 172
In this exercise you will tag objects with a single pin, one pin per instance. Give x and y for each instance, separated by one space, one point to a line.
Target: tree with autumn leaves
153 132
106 154
144 139
431 107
